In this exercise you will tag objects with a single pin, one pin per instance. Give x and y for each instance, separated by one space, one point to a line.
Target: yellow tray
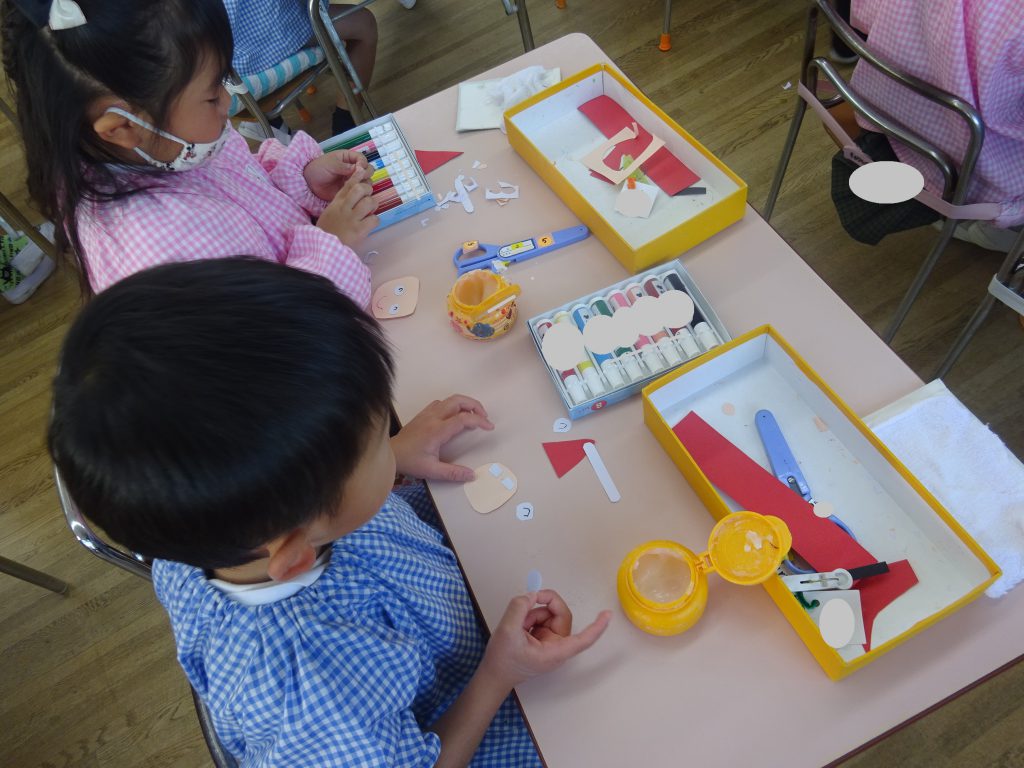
548 131
892 514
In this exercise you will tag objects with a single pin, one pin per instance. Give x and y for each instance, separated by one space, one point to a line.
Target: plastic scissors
785 468
475 255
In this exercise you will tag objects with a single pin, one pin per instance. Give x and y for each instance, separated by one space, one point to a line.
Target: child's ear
118 130
291 555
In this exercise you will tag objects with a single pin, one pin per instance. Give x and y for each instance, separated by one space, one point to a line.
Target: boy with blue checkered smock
241 437
267 32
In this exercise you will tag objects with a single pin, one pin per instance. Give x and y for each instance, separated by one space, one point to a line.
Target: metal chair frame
1007 286
137 565
955 180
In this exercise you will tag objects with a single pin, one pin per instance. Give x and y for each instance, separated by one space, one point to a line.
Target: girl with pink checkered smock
123 113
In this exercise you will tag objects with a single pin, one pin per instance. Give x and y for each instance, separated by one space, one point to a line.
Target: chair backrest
137 565
956 172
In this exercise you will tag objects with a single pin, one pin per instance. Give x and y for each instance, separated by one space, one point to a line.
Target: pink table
740 688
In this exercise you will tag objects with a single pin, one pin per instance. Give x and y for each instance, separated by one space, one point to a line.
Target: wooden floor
90 679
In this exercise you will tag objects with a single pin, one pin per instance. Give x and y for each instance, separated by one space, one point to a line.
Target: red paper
565 454
431 160
663 168
819 541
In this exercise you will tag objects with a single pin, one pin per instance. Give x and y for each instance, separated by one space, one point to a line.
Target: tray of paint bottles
604 347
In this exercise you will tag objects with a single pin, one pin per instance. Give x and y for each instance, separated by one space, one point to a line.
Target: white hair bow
65 14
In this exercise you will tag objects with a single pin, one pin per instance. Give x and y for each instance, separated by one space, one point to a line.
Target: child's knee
359 26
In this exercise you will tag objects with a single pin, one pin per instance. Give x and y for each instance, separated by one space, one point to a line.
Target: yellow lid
747 548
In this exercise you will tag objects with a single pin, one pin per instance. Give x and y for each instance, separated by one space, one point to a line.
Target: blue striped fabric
270 80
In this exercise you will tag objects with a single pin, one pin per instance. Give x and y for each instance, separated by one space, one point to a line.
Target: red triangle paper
565 454
431 160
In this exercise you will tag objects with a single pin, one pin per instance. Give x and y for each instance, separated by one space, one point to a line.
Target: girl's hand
349 216
418 445
535 636
325 175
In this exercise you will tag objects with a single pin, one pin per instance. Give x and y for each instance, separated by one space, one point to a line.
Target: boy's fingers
588 635
455 403
536 616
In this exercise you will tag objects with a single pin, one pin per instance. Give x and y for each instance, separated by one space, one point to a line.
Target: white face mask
193 154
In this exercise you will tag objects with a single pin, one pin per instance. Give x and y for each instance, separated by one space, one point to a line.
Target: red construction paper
565 454
663 168
818 541
431 160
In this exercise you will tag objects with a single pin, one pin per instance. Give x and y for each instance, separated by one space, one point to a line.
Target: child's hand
349 216
535 636
325 175
418 445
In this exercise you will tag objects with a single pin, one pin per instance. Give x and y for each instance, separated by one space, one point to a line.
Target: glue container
663 586
482 305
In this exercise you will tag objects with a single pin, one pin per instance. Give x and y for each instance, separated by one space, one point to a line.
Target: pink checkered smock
971 48
237 204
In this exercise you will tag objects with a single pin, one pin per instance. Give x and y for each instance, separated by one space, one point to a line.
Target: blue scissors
474 255
785 468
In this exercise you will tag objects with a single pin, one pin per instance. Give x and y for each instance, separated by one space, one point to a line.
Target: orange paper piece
493 485
396 298
565 454
817 540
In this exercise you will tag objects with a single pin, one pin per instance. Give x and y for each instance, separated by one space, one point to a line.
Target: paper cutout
561 425
562 346
396 298
818 541
524 511
596 162
839 617
663 168
430 160
462 190
565 454
487 492
534 582
603 476
505 192
636 201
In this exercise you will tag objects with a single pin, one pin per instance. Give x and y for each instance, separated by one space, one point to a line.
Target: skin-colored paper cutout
563 346
595 160
486 492
824 509
396 298
636 201
818 541
663 168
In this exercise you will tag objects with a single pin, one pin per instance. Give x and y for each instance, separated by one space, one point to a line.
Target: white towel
968 469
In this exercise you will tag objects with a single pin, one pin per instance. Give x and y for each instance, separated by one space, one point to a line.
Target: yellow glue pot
482 305
663 586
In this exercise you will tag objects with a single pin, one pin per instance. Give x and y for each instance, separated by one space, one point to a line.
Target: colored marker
672 281
570 379
585 366
644 345
363 137
662 338
625 356
605 361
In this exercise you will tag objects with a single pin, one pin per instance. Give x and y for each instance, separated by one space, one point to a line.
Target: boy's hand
418 445
349 216
326 174
535 636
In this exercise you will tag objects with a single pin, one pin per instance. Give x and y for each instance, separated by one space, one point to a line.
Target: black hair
142 51
205 408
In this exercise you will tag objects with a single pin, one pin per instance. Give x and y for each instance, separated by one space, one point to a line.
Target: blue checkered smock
349 671
267 32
